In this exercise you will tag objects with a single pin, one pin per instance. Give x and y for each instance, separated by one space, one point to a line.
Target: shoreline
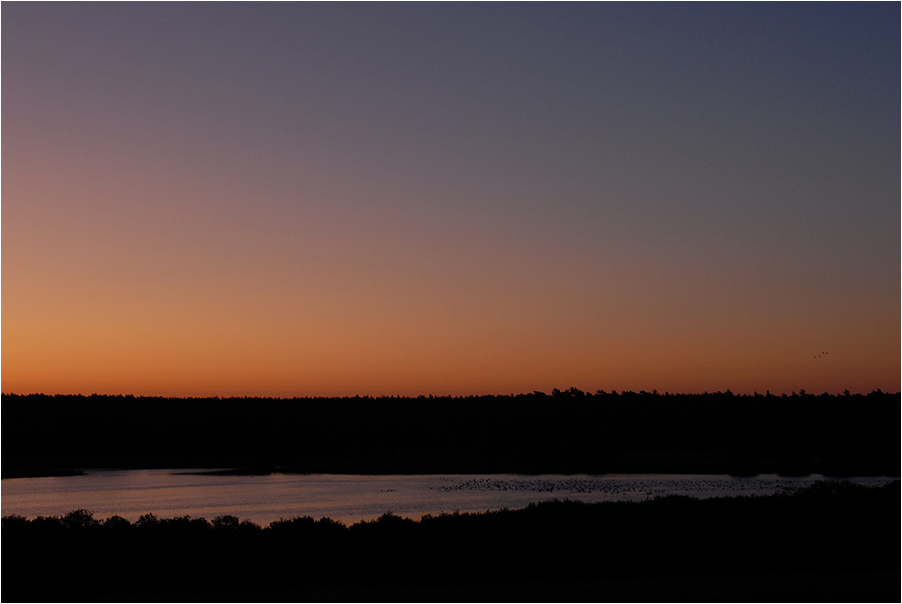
833 539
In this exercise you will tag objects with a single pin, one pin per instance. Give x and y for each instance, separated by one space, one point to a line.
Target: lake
350 498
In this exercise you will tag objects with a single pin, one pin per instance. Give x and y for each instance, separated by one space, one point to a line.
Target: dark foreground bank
566 432
830 542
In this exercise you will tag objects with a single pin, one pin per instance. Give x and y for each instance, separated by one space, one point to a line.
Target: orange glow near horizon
199 342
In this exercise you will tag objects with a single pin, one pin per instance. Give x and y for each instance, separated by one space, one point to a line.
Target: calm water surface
263 499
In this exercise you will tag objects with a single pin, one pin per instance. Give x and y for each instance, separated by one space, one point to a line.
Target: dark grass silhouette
832 541
566 432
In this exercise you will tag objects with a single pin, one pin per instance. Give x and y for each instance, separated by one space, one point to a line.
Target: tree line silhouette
833 541
567 431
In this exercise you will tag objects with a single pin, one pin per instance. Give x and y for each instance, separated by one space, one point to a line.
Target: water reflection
263 499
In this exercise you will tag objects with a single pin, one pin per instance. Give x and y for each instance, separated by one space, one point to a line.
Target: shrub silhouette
79 519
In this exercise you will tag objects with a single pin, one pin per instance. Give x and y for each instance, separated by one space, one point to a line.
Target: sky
318 199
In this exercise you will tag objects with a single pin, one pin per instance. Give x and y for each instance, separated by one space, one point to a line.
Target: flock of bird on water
628 487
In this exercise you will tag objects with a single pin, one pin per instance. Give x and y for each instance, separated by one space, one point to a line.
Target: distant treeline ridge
566 432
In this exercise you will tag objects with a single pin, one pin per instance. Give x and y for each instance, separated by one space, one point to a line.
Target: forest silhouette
567 431
833 541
